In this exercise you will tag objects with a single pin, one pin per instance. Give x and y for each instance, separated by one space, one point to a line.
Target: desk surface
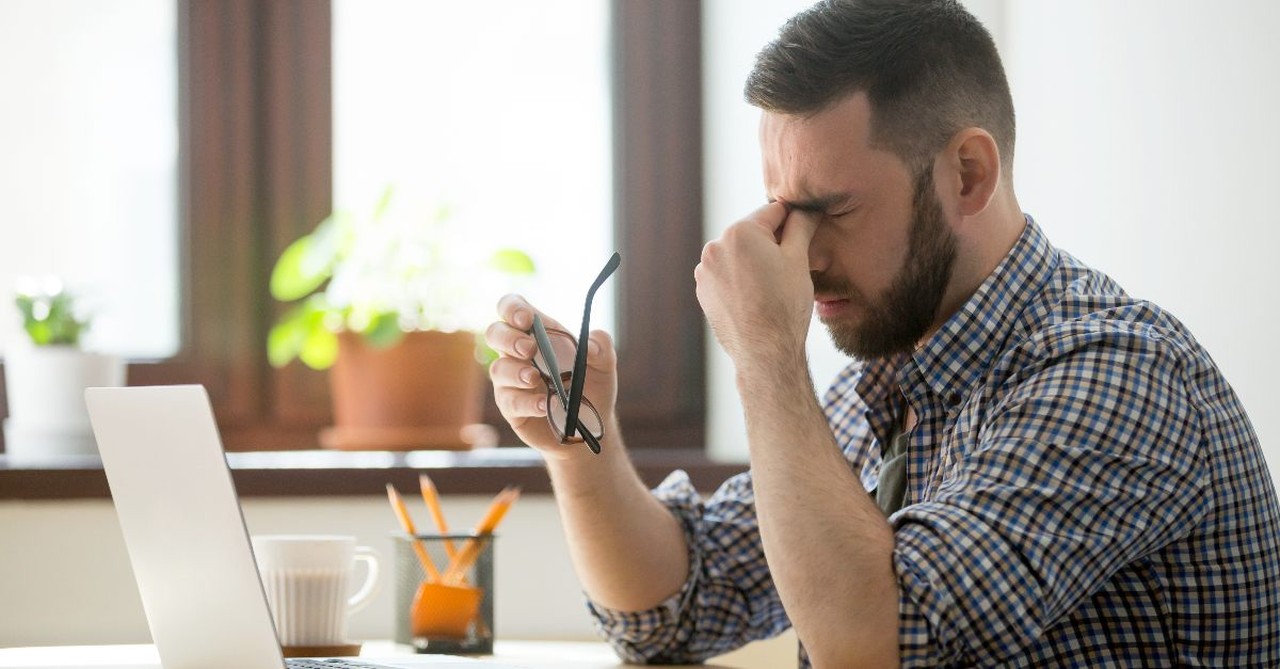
531 654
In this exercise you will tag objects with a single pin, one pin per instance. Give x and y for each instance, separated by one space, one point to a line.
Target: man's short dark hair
928 67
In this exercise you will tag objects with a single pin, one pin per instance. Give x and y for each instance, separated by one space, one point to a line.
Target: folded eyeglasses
558 350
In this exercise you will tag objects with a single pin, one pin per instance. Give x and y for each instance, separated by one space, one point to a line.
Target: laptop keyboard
328 663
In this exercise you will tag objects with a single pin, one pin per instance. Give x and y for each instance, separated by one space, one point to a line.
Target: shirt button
953 399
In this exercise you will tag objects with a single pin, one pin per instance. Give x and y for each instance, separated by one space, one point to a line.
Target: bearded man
1022 465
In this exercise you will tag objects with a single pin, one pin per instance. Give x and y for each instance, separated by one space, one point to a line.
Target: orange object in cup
441 610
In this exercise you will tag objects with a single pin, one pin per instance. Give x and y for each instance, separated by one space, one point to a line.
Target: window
256 169
89 169
500 110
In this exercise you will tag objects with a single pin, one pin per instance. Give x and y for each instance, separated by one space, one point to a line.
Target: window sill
340 473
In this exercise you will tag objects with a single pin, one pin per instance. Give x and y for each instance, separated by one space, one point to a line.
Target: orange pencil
402 513
432 498
497 509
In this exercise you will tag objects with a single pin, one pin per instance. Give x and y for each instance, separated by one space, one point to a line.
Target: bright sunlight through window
89 165
498 110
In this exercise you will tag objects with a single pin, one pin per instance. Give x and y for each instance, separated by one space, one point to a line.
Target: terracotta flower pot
423 393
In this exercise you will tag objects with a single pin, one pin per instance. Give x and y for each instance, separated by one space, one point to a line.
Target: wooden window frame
256 172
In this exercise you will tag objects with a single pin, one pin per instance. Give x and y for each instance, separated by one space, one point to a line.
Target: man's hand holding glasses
556 395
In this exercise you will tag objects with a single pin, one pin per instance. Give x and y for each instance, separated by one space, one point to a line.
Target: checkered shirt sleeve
728 598
1087 462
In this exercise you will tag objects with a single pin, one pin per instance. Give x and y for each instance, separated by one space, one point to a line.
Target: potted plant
387 302
46 374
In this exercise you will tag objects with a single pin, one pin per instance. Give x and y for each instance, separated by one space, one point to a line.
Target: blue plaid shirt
1083 490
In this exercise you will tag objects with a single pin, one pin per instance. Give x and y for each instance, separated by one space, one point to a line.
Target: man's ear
971 164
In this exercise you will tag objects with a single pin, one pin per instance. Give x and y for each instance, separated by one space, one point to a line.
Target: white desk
531 654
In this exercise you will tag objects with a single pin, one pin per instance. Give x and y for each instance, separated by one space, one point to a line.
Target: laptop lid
186 535
183 527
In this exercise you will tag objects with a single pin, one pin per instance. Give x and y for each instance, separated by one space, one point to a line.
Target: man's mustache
828 285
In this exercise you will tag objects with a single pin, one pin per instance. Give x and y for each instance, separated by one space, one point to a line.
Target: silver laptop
186 536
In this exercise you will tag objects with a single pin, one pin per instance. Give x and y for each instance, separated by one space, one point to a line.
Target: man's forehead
819 155
848 118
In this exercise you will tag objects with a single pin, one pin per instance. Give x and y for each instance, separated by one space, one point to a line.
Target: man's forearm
829 547
628 549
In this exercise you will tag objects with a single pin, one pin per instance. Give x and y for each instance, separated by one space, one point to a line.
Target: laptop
187 539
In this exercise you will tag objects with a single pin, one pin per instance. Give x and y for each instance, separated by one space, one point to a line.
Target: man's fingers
516 311
601 355
513 373
516 406
518 391
798 232
507 340
511 335
770 217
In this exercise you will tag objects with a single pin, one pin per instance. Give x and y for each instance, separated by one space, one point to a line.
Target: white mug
307 578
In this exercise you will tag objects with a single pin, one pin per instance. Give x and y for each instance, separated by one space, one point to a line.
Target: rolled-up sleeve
1087 463
728 598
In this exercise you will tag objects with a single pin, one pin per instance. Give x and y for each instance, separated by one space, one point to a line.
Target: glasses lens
564 349
588 418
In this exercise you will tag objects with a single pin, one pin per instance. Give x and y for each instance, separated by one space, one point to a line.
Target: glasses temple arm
580 363
549 358
592 442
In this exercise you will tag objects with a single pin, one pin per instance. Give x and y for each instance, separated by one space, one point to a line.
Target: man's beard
908 307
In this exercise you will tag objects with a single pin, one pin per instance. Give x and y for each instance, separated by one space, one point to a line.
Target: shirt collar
958 355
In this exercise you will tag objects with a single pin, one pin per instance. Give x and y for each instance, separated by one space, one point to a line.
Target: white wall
733 32
1146 146
65 575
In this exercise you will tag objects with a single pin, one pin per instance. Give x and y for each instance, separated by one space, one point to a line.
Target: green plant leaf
384 331
319 349
512 261
49 318
40 332
310 260
485 355
443 212
295 329
291 278
285 339
384 202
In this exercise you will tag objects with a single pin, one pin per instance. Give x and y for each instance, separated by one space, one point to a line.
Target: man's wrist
584 472
781 368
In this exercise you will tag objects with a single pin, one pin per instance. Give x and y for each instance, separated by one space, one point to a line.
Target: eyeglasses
557 350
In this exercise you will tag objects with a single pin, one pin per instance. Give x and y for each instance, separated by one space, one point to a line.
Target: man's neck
985 241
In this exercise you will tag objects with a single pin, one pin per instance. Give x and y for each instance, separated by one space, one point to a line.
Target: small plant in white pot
46 374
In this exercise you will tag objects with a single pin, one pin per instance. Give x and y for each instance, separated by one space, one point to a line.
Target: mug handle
370 587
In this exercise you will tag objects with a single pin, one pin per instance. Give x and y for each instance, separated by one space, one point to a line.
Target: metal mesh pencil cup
431 617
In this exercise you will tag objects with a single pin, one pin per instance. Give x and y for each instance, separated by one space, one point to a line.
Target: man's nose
819 256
